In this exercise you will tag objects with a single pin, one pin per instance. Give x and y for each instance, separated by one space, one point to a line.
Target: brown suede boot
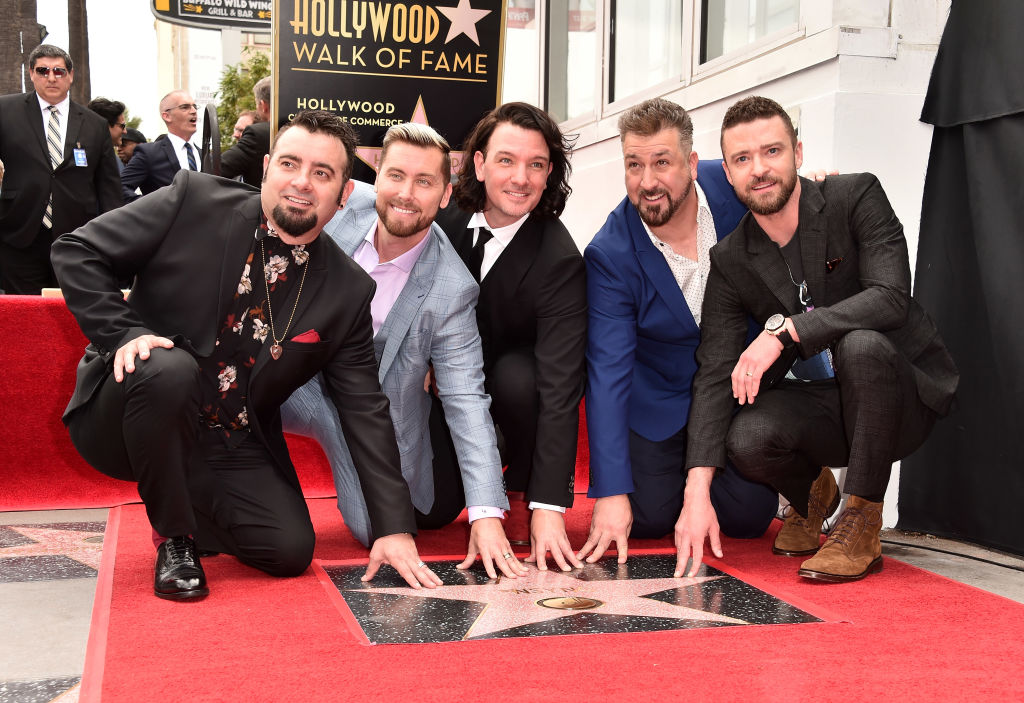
800 536
853 548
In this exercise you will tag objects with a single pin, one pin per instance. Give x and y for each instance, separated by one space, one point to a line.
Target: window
573 66
522 53
646 45
728 25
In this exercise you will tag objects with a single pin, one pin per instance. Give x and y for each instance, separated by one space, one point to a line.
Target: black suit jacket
245 158
152 166
187 247
535 297
857 271
79 192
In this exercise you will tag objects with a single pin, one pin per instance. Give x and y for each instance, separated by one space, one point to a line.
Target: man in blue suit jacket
423 314
153 165
646 271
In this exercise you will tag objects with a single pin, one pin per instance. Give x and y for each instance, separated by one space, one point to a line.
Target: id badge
80 159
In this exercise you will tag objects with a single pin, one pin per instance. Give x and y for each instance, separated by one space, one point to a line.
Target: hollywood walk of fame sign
384 62
638 596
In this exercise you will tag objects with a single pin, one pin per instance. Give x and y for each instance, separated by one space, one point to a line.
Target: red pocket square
307 337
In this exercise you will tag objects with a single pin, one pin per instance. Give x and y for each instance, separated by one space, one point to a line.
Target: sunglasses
45 71
122 125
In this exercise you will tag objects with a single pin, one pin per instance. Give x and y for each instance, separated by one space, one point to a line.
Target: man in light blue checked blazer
425 334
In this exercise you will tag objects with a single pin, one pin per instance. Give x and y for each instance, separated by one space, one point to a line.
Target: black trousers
449 494
744 508
866 419
27 271
512 385
235 501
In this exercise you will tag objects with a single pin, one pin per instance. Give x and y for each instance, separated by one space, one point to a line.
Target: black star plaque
641 595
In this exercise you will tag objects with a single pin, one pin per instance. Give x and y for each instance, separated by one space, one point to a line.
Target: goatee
292 223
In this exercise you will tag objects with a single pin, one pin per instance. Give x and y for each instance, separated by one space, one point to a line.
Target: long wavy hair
470 194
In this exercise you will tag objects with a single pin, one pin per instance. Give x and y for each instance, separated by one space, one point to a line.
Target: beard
656 216
772 204
398 228
292 223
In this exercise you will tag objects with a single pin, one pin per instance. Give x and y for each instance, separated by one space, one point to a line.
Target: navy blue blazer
152 166
642 339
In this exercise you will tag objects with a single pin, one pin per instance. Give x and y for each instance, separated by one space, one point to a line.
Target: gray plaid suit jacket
433 320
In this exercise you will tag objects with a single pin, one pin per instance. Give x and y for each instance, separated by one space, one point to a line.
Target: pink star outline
463 18
514 603
370 155
49 541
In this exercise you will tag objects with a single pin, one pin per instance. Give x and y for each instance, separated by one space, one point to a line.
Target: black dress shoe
179 575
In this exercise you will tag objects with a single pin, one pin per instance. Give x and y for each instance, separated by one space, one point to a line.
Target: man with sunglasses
60 171
153 165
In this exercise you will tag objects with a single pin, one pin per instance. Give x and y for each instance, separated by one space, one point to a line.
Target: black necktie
191 158
476 256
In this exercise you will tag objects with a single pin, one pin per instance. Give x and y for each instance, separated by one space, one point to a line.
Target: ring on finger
749 374
507 555
421 564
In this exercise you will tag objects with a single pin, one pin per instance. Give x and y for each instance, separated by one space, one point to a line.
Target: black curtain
967 480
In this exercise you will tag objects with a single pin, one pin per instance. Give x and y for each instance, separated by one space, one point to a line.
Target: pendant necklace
276 350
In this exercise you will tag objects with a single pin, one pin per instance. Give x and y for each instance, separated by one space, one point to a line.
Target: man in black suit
237 302
60 171
153 165
532 311
245 158
849 370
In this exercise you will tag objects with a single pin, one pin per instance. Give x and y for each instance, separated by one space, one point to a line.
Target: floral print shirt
246 329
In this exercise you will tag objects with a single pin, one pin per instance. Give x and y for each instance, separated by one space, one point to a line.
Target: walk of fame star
47 552
604 597
463 18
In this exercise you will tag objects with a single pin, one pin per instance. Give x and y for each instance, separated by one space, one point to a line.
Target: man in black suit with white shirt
59 171
532 311
153 165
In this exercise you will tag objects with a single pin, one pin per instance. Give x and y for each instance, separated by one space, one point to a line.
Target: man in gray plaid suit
423 314
848 370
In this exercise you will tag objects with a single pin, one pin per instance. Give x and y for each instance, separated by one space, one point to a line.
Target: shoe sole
874 567
193 594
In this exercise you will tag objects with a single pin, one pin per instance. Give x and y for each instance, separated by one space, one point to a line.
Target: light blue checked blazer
433 320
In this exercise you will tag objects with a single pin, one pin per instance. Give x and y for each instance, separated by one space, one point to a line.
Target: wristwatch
776 327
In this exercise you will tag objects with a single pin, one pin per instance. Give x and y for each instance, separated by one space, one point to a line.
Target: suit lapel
236 249
35 119
512 265
399 319
74 127
172 157
812 240
657 270
770 265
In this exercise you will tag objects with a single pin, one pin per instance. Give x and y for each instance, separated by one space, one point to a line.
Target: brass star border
638 596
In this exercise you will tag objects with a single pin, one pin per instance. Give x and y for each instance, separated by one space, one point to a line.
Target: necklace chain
275 349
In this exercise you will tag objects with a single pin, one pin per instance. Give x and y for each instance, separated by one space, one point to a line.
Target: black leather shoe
179 575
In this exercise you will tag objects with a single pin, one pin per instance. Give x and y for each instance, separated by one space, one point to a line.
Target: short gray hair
652 116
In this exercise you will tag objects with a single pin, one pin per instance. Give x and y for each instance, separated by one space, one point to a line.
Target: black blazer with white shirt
79 192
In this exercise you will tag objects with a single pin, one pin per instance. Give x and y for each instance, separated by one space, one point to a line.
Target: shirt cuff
546 506
478 511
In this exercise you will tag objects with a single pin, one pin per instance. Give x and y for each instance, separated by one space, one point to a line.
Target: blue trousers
744 508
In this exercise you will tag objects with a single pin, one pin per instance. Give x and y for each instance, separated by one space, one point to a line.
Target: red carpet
39 467
903 635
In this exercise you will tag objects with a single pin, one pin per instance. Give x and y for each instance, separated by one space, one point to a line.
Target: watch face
774 323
